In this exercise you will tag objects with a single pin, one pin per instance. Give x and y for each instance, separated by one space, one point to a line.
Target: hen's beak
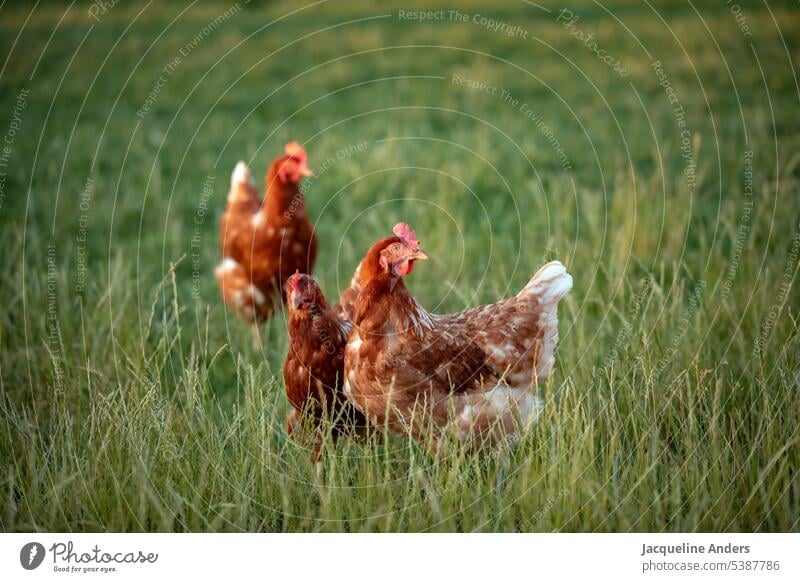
305 171
419 255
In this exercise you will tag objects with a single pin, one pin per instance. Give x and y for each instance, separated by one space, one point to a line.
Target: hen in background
264 242
314 367
476 373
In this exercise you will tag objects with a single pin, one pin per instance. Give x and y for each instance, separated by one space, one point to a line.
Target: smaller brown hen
314 367
264 242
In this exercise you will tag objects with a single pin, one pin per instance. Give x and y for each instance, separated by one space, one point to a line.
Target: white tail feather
241 175
550 283
242 182
548 286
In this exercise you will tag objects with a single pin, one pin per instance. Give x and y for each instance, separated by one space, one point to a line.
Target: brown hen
314 367
263 242
476 372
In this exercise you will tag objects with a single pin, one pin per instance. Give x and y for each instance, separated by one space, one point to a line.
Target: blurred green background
675 402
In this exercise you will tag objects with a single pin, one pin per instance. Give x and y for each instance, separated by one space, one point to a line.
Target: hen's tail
549 284
547 287
243 187
347 301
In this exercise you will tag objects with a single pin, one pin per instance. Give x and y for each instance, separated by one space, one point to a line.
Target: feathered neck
384 304
282 199
316 325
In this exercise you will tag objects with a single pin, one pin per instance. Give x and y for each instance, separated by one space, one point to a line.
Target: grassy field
658 159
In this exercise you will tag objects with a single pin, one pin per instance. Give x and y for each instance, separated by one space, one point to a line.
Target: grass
132 401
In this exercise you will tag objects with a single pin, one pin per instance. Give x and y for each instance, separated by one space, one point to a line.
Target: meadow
653 148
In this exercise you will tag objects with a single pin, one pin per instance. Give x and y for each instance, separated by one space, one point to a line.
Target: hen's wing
446 359
519 334
347 301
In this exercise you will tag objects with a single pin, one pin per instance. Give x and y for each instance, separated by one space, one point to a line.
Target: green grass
133 405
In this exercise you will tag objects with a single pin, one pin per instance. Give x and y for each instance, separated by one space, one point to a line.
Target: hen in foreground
265 242
314 367
476 372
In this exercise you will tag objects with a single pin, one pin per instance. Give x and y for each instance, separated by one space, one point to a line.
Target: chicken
314 367
473 374
265 242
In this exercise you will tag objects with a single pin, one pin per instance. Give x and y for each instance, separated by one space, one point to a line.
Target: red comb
404 231
296 151
294 280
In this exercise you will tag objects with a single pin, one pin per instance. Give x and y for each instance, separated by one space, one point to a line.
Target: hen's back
518 331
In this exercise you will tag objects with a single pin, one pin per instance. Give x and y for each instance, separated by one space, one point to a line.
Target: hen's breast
365 379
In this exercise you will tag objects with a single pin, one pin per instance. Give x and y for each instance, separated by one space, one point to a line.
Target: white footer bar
355 557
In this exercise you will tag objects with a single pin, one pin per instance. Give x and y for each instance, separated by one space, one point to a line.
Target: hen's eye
395 248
